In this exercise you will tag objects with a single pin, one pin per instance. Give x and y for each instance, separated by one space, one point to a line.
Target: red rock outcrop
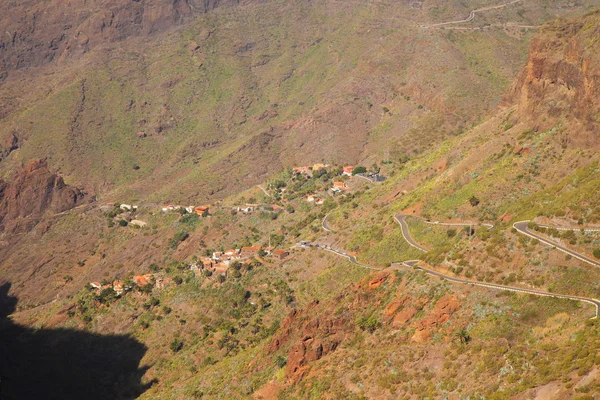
441 313
561 80
33 192
311 336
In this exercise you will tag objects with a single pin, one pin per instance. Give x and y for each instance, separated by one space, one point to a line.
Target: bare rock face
561 80
33 192
439 315
311 336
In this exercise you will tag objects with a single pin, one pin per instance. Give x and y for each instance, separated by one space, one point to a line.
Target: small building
217 255
138 223
302 170
347 170
127 207
207 263
310 198
119 287
339 185
221 269
280 254
189 209
319 166
143 280
96 285
250 251
232 254
319 201
201 210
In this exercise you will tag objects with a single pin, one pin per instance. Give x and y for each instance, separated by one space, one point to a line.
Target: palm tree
463 336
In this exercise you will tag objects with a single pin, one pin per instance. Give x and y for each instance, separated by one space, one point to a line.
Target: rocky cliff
561 80
33 192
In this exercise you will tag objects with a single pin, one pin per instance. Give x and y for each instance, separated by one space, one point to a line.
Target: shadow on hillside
65 363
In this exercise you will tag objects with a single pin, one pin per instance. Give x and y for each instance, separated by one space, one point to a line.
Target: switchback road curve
522 228
400 218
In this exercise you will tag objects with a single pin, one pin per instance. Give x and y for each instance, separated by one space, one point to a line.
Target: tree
463 336
280 361
220 278
122 222
596 252
176 345
474 201
451 233
368 324
359 170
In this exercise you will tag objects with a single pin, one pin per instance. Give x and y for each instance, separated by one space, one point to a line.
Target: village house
347 170
280 254
207 263
143 280
339 185
201 210
119 287
217 255
138 223
319 201
128 207
250 251
302 170
310 198
189 209
96 285
220 269
247 209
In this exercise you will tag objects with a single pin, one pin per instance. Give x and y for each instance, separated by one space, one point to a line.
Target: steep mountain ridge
33 192
561 81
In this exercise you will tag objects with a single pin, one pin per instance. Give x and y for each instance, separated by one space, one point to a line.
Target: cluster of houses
200 210
308 170
312 198
250 208
120 286
220 261
128 207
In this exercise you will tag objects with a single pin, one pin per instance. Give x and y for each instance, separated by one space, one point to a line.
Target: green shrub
176 345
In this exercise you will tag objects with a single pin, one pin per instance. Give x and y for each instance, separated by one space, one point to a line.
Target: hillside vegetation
224 103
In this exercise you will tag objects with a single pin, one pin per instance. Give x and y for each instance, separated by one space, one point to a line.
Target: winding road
414 264
522 228
325 224
401 219
471 16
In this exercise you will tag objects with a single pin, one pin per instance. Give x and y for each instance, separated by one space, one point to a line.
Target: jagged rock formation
33 192
561 80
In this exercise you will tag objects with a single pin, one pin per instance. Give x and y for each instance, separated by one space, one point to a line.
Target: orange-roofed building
221 269
280 254
347 170
339 185
200 210
142 280
250 251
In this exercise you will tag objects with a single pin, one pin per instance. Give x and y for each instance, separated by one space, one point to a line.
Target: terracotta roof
142 280
280 252
250 248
